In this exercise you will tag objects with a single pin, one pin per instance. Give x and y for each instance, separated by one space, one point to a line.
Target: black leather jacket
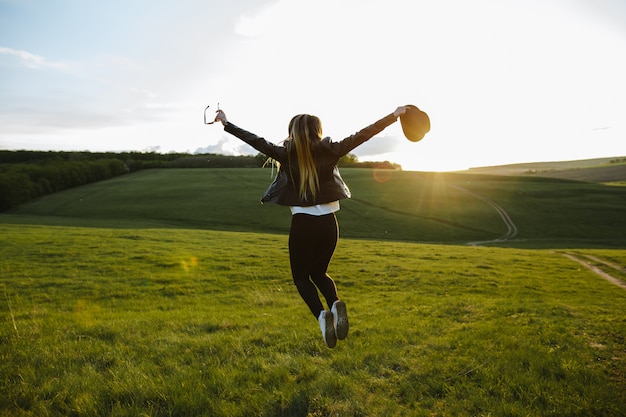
284 189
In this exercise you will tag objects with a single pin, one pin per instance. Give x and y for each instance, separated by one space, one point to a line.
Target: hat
415 123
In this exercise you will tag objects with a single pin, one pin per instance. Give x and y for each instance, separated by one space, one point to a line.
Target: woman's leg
312 241
329 234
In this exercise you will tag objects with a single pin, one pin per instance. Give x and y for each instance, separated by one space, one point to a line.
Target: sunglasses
207 108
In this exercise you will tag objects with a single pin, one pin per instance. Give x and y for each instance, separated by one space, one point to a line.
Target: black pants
312 242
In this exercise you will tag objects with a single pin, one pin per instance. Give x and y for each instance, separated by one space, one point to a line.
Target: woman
308 181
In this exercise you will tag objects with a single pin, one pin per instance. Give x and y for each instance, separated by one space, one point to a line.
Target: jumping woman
308 182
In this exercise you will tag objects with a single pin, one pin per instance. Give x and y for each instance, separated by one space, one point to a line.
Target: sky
503 81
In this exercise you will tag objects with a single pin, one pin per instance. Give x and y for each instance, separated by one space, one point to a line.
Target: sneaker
328 329
341 319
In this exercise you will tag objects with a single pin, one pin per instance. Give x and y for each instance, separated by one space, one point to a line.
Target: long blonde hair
304 131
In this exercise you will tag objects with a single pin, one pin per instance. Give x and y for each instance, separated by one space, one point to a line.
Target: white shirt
317 210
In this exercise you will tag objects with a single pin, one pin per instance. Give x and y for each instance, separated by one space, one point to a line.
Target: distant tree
21 182
261 158
348 160
15 188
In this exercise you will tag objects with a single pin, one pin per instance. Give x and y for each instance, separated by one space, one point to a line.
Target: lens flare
382 175
188 264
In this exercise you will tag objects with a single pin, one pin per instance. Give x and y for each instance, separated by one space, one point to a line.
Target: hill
389 205
602 170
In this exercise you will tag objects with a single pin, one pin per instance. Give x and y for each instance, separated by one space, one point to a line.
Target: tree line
26 175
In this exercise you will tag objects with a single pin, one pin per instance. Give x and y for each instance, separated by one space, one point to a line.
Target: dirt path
511 227
512 232
607 263
597 270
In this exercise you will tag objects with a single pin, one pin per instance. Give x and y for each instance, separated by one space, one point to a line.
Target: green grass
401 206
127 322
168 293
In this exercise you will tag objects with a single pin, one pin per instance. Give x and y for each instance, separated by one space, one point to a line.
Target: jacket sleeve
273 151
346 145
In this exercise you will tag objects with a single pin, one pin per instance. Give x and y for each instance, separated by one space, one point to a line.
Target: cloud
152 148
28 59
31 60
381 144
94 92
228 146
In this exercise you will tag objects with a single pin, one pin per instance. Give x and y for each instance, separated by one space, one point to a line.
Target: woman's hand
220 116
400 111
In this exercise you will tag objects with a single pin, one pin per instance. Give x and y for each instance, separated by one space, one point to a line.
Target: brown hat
415 123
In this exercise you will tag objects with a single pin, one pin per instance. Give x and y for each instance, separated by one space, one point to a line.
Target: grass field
387 205
158 294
